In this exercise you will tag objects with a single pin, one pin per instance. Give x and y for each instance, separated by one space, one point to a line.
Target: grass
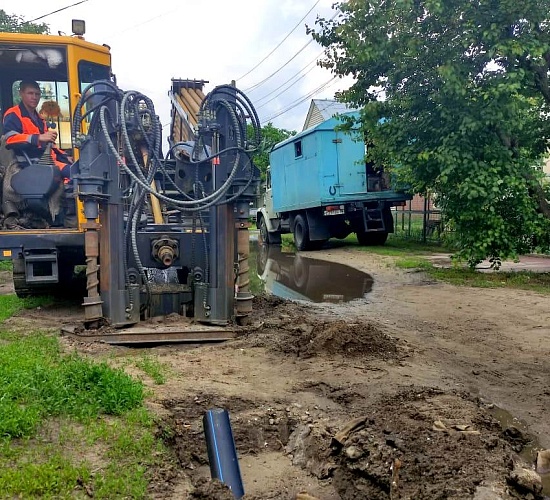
525 280
70 426
152 367
6 265
464 276
11 304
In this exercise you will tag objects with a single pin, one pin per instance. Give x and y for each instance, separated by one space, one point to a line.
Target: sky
261 44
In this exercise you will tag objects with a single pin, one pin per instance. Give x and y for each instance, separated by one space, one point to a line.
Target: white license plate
334 212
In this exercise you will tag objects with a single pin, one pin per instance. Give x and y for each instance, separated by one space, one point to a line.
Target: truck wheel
301 233
267 237
373 238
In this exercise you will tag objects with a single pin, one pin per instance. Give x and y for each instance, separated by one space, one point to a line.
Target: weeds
152 367
61 415
11 304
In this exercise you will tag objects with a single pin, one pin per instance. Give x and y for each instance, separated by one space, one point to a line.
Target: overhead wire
281 42
253 87
279 69
293 76
300 100
285 89
56 11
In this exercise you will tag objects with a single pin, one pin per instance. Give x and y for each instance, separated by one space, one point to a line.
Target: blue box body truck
320 187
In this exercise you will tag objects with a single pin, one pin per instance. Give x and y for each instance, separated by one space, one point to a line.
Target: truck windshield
47 65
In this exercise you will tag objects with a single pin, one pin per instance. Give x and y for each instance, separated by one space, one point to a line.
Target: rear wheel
301 233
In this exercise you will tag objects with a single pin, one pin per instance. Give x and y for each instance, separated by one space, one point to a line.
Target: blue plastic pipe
222 454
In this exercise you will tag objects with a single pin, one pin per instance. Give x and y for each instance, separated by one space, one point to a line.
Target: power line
279 69
284 90
56 11
324 86
281 42
143 22
294 75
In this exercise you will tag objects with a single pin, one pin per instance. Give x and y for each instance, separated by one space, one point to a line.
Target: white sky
213 40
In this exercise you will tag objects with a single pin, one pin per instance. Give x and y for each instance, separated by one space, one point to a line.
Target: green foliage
456 93
59 403
38 381
55 476
270 136
12 23
11 304
152 367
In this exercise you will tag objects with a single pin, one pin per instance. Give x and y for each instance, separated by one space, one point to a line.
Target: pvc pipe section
222 454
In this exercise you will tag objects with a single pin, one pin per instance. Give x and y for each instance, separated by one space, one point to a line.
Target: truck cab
43 253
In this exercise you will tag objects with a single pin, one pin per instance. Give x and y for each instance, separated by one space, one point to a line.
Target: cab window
46 65
53 107
89 72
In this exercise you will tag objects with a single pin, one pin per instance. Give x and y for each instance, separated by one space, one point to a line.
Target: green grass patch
413 263
525 280
11 304
152 367
71 427
6 265
36 477
38 381
464 276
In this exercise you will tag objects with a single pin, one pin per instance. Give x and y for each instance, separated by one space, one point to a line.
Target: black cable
56 11
301 100
249 89
281 42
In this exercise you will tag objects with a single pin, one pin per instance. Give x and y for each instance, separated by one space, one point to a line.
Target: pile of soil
290 328
428 444
422 443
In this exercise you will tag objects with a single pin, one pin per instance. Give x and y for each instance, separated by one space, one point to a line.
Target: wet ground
392 386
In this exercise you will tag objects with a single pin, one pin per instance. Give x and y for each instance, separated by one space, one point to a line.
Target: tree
455 92
12 23
270 136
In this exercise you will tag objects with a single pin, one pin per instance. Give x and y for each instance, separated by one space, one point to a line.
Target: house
321 110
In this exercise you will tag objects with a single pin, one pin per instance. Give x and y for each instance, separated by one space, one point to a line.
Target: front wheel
267 237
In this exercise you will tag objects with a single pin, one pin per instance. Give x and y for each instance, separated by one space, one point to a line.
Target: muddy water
529 450
292 276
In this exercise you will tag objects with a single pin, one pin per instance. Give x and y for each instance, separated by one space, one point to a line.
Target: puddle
529 450
291 276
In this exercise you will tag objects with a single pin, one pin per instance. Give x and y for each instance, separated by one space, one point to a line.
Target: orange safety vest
22 130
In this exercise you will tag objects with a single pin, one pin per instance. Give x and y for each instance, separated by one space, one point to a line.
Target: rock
486 493
353 452
543 462
525 479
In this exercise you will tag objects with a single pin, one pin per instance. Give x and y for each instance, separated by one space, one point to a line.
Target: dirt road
418 390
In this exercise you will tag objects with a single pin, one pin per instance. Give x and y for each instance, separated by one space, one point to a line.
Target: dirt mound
211 490
424 445
290 328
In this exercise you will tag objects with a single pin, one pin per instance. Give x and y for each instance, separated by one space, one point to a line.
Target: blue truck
319 187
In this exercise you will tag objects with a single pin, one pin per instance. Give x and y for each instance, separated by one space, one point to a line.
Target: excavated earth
418 390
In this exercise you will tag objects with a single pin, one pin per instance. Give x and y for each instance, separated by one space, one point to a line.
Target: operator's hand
49 136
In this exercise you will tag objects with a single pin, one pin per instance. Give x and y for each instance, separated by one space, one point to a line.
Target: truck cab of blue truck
319 187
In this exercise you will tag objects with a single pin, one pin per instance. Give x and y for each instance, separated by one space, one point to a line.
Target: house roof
326 125
321 110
